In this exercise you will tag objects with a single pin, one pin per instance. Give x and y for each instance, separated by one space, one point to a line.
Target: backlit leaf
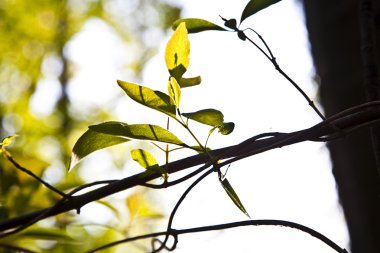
232 194
226 128
8 140
147 161
195 25
254 6
156 100
138 131
209 117
174 91
188 82
177 52
92 141
144 158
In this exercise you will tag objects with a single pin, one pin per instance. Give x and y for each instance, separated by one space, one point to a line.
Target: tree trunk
335 37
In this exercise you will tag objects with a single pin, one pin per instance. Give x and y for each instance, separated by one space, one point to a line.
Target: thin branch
30 173
282 223
272 59
175 209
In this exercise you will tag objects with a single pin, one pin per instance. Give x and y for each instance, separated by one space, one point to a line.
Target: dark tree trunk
335 37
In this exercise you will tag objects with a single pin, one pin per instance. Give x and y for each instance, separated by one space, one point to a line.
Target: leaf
195 25
144 158
156 100
7 140
226 128
188 82
47 234
92 141
174 91
234 197
138 131
254 6
209 117
147 161
177 52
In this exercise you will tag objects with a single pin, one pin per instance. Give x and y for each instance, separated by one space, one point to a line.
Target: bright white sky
293 183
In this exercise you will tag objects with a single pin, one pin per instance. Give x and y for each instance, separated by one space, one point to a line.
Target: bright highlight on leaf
138 131
254 6
174 91
195 25
234 197
7 141
156 100
147 161
209 117
92 141
177 52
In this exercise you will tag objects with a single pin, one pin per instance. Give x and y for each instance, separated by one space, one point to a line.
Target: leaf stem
272 59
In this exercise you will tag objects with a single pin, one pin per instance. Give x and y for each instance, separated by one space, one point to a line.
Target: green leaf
144 158
234 197
195 25
188 82
147 161
138 131
47 234
174 91
92 141
156 100
226 128
254 6
209 117
177 52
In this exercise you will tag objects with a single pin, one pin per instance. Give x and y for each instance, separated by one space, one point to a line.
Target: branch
346 121
282 223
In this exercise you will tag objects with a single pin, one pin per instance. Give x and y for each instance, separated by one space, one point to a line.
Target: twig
30 173
282 223
272 59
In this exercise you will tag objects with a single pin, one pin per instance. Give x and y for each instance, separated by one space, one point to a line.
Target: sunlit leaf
209 117
232 194
188 82
177 52
92 141
144 158
8 140
195 25
147 161
156 100
254 6
138 131
226 128
174 91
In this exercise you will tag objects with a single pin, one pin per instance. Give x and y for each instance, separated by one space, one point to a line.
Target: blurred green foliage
33 34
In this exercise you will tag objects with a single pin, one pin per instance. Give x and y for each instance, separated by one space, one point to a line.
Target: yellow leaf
177 52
